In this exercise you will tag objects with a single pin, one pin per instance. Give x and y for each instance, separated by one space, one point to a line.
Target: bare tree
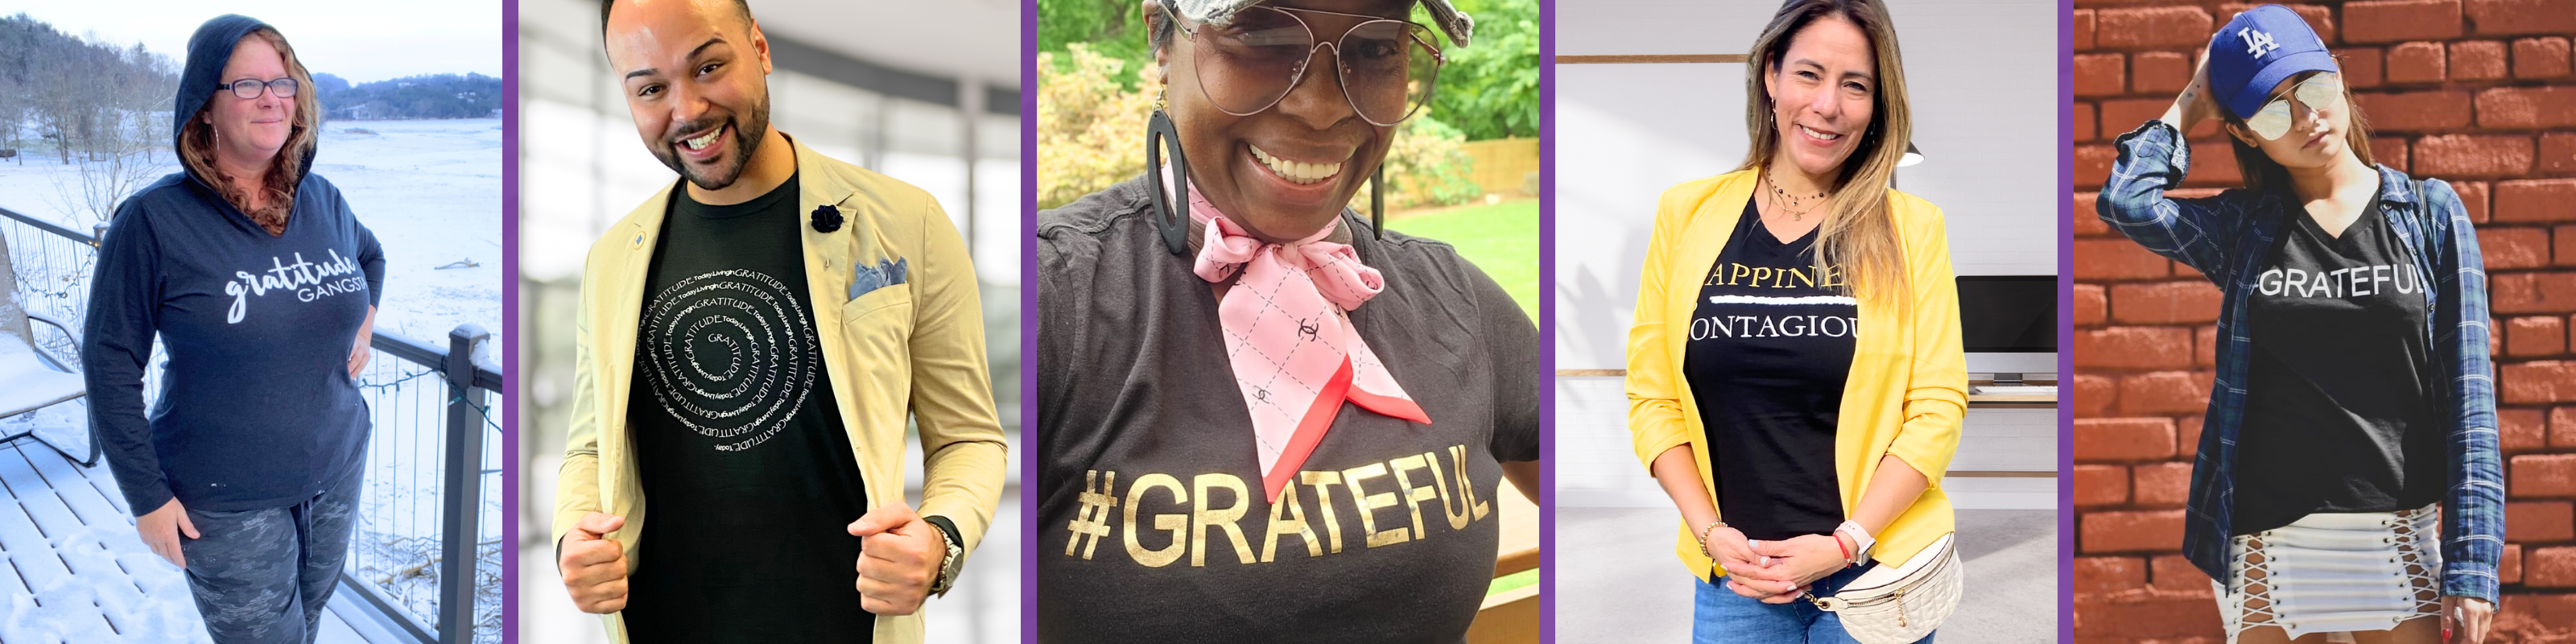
113 117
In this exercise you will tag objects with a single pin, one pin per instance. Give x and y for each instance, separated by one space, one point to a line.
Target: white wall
1981 79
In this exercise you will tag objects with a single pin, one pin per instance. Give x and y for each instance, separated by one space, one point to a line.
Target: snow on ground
431 191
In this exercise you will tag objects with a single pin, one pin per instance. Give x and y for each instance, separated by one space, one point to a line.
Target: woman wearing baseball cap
2348 476
1795 377
1263 417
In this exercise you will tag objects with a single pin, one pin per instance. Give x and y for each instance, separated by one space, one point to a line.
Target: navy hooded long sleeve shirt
256 408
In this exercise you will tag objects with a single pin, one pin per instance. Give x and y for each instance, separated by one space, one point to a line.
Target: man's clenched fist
594 566
899 557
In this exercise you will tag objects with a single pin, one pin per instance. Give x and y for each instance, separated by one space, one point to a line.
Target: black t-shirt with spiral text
749 478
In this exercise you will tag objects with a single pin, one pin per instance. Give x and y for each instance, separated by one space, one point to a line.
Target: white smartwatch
1861 540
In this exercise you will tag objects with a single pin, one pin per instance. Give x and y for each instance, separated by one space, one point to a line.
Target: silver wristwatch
948 564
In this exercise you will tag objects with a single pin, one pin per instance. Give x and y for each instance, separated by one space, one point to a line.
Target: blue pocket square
865 279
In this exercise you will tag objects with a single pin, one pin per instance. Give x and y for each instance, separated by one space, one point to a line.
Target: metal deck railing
415 513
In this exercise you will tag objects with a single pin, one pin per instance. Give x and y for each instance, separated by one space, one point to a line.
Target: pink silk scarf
1289 338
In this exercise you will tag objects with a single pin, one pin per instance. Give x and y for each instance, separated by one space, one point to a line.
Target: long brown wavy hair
197 145
1858 232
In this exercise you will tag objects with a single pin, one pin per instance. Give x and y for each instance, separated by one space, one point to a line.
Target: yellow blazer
1908 386
907 350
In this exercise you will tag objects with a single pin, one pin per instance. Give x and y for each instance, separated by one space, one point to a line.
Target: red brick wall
2476 92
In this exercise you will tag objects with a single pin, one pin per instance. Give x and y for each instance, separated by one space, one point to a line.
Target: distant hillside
435 96
80 97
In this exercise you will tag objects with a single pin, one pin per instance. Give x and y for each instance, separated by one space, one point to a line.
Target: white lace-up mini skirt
2340 572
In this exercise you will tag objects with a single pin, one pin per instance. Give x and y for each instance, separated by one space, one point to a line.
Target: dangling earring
1169 214
1377 201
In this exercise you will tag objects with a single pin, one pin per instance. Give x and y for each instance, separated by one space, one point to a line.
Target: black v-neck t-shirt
1770 348
748 475
2339 413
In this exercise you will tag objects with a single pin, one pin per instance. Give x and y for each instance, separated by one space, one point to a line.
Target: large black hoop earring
1377 201
1169 207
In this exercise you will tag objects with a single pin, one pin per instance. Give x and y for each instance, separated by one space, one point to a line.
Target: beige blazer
913 350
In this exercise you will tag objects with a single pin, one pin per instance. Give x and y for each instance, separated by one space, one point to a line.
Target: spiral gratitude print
730 354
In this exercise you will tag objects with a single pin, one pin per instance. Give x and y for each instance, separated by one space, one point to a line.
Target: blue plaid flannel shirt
2228 238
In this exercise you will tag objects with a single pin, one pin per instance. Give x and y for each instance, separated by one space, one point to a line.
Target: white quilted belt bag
1900 604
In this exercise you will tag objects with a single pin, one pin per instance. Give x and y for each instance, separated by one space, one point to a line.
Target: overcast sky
358 41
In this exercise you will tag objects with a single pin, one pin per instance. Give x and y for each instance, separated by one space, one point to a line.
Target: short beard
746 137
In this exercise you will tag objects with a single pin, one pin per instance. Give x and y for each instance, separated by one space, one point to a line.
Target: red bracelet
1847 556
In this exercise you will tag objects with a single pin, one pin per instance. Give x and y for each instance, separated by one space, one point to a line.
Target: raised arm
2154 159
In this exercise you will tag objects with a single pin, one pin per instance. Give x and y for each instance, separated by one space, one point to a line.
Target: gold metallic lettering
1288 515
1091 519
1414 496
1369 503
1457 515
1203 517
1323 483
1467 486
1172 523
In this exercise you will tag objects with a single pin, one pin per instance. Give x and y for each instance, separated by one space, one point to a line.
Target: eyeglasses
1387 67
250 87
2319 92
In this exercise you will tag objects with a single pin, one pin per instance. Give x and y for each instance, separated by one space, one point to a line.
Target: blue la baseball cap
2258 48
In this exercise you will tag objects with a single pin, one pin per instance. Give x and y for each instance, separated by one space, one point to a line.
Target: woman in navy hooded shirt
261 286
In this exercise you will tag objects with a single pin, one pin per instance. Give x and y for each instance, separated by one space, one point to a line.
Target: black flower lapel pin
827 218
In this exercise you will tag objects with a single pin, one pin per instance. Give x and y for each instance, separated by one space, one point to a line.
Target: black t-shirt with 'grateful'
749 478
2338 411
1770 348
1152 525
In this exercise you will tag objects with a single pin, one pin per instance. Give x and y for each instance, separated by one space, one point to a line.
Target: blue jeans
262 576
1724 617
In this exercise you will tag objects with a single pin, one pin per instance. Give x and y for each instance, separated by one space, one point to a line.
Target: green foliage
1091 131
1427 167
1487 91
1500 239
1490 89
1114 29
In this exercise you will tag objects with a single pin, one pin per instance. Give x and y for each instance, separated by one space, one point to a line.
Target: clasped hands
900 555
1776 571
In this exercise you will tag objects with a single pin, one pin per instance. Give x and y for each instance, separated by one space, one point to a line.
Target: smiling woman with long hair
1795 378
262 286
1260 413
2351 426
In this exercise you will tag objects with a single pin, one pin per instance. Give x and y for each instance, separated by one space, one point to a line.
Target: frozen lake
431 191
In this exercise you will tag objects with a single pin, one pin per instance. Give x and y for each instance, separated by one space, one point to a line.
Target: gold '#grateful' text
1161 518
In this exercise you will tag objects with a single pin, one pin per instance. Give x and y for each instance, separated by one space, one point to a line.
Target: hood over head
208 50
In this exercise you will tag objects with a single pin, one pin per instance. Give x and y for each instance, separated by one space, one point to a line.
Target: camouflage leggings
262 576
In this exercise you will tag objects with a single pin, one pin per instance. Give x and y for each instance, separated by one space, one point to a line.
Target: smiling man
751 342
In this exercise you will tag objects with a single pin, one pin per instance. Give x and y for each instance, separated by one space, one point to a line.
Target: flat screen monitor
2008 313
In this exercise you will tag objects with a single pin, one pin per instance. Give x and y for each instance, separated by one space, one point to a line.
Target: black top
749 478
1770 348
2339 409
257 410
1151 521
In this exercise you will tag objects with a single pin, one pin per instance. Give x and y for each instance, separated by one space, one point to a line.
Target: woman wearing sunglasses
262 287
2352 422
1262 416
1795 378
